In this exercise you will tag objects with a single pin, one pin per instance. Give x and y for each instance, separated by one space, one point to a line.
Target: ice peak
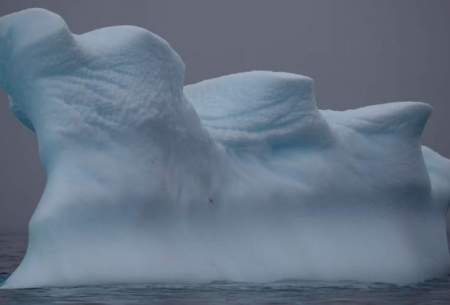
404 118
261 106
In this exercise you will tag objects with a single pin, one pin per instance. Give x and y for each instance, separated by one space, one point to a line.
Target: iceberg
238 178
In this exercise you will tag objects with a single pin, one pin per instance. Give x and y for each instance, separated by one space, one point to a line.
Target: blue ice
237 178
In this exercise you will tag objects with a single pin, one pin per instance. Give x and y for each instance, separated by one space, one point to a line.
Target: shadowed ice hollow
236 178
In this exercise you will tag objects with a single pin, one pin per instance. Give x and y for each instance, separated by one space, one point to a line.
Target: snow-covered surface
236 178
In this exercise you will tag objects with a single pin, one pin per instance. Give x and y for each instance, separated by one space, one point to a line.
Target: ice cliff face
235 178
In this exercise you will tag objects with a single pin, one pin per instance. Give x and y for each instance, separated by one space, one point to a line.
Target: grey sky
360 52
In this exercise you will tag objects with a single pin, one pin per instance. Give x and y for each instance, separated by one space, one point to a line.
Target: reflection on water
289 292
283 292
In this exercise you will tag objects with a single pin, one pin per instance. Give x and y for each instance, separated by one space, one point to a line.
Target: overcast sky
360 52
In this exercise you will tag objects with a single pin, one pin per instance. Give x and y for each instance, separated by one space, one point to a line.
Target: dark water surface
283 292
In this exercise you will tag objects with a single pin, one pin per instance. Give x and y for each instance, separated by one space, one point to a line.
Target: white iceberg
236 178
